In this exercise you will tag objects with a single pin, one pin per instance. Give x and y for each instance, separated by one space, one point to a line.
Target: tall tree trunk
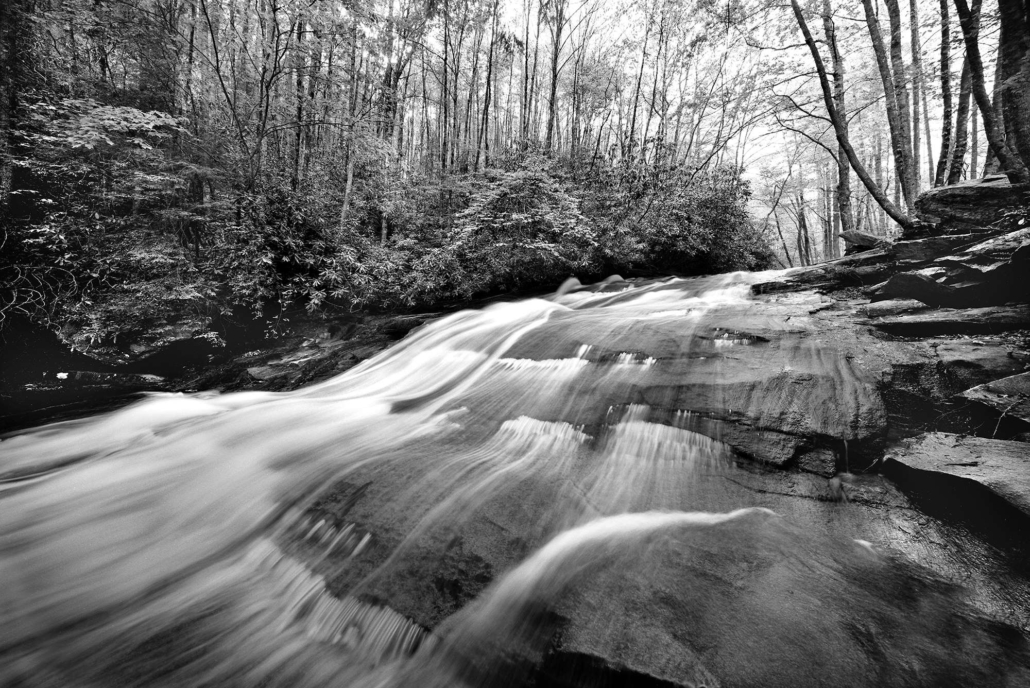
636 96
574 126
917 80
897 107
352 115
878 159
444 96
824 213
974 147
312 130
191 51
298 139
1014 63
946 124
524 113
14 35
804 242
654 86
456 54
904 162
483 140
991 165
958 154
970 22
426 136
930 165
532 81
845 213
779 230
556 42
391 79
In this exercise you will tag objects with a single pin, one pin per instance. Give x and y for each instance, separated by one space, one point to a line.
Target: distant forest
166 161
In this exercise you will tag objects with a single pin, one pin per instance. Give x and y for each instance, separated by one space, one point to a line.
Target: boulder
1002 467
265 372
926 250
969 362
1010 395
985 273
891 306
862 239
865 268
922 288
992 271
971 206
398 326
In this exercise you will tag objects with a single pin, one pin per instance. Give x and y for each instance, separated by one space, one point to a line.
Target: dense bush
122 233
673 221
97 240
520 230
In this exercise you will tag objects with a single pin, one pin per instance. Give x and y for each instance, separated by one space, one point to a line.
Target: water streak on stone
428 517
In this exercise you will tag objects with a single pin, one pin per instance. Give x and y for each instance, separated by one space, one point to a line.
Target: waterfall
582 474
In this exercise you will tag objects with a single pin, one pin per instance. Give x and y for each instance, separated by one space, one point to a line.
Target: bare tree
946 124
847 219
1012 164
1014 68
899 117
840 131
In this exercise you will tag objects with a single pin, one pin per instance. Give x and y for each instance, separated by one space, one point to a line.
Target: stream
666 483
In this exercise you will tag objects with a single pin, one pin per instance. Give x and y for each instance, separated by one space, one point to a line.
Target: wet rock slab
616 434
770 619
861 269
1010 395
1000 466
956 321
970 362
926 250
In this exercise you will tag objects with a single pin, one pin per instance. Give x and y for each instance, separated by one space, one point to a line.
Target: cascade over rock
656 483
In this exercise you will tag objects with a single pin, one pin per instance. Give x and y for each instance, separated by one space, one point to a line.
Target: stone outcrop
971 206
780 382
926 250
969 362
920 287
956 321
861 269
1009 395
1001 467
985 273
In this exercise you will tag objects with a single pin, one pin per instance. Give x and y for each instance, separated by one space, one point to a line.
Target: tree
946 125
1013 165
1014 75
839 127
14 30
847 220
892 75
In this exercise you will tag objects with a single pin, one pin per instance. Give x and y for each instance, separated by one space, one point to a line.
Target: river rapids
557 491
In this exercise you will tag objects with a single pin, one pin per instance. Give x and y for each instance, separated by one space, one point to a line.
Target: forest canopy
168 160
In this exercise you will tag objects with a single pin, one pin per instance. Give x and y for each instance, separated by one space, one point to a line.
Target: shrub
521 230
674 222
87 244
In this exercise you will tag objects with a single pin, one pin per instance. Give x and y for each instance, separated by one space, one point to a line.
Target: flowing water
504 486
